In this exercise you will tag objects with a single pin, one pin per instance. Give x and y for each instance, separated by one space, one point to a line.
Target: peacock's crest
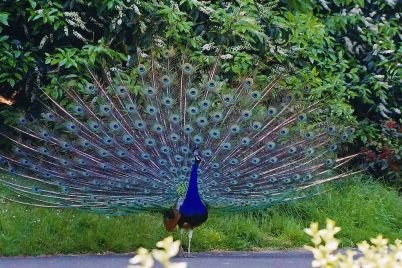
124 140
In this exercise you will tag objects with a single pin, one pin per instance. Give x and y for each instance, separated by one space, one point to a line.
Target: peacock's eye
187 68
165 79
141 69
248 82
284 131
302 117
330 129
308 135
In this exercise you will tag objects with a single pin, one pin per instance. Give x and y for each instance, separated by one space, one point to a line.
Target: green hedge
344 52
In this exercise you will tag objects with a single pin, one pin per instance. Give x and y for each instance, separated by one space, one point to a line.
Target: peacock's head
197 156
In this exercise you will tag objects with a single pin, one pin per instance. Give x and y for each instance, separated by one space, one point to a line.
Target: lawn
362 207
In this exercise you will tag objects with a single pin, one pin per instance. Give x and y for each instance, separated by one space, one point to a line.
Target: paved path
277 259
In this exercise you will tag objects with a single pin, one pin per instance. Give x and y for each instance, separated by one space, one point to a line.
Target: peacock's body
125 141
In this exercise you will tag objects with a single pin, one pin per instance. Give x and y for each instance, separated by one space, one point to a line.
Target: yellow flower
379 254
363 246
379 241
171 248
143 259
313 230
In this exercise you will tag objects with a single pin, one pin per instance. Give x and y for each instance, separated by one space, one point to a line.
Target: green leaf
11 82
62 62
18 76
32 3
3 38
4 18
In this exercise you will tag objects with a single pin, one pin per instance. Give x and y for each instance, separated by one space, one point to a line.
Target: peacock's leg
181 235
190 235
181 251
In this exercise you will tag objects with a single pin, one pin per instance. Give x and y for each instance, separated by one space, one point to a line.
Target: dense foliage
344 52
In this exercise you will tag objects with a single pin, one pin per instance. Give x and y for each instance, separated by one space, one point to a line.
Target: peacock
173 133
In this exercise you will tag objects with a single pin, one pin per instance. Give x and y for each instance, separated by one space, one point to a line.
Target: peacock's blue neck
192 203
192 191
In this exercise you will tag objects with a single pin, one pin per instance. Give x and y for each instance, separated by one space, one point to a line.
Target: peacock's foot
189 255
181 252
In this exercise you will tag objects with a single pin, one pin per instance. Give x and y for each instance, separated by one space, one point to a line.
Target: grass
363 209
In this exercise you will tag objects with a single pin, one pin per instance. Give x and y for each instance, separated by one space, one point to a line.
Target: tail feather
123 141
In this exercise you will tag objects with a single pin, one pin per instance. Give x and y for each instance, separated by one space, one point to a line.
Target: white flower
389 51
79 36
43 41
349 44
206 10
143 27
226 56
207 47
356 10
391 2
324 4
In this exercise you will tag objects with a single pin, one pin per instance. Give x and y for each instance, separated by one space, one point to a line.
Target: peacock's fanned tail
124 141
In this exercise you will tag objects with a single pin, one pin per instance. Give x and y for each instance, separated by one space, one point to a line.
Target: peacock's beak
197 156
